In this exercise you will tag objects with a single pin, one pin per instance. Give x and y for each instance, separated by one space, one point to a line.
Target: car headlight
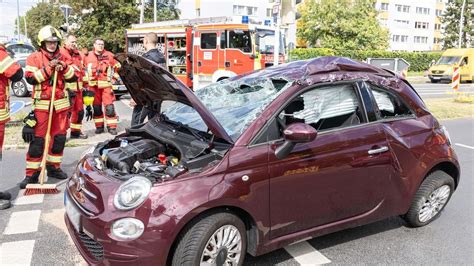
132 193
87 151
127 229
446 133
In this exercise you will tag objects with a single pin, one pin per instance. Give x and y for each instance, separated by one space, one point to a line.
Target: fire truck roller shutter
220 74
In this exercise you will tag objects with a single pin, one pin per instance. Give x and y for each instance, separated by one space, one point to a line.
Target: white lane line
23 222
433 93
465 146
305 254
17 253
25 200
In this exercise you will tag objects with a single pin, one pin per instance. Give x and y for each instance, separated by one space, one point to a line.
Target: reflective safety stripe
6 63
104 84
54 158
111 121
89 70
76 126
99 120
92 83
31 68
117 65
39 76
4 114
30 122
33 165
71 85
59 104
69 73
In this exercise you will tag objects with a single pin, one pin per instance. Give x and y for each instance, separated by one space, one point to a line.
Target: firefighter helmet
49 33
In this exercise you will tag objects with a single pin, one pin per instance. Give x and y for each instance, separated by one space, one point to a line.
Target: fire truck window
240 40
208 40
223 40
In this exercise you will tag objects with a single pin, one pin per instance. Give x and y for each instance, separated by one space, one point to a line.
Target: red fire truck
206 50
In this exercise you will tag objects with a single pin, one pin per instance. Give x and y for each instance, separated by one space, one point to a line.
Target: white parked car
21 88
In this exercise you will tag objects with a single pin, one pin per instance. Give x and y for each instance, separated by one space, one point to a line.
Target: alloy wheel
434 203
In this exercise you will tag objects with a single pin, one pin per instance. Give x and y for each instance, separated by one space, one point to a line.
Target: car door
343 173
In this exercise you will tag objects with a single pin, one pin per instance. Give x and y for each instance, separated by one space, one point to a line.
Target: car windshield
448 60
235 104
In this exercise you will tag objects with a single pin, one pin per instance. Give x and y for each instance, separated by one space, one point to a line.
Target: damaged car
257 162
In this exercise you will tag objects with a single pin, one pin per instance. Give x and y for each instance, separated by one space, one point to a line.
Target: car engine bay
159 151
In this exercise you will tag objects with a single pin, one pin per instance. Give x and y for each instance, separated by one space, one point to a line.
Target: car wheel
20 89
434 81
219 239
430 199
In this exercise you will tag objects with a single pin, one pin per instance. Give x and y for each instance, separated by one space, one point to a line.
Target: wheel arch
449 168
247 219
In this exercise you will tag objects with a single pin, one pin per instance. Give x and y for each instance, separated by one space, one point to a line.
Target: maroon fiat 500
257 162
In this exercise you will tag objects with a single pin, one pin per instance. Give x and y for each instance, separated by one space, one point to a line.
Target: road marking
17 253
305 254
23 222
465 146
433 93
24 200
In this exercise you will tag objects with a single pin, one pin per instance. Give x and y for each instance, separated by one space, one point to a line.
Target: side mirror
295 133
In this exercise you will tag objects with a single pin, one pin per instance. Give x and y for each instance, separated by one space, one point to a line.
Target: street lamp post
67 10
461 23
18 18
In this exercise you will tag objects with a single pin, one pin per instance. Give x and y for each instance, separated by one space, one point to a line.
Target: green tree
166 10
450 21
341 24
39 16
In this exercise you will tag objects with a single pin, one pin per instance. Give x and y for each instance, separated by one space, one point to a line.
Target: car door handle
378 150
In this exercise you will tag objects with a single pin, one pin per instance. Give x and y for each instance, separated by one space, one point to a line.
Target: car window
389 105
323 108
208 40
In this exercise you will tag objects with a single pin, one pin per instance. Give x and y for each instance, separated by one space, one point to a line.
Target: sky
8 13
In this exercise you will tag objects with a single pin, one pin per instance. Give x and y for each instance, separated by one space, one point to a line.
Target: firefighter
9 70
75 60
101 72
39 72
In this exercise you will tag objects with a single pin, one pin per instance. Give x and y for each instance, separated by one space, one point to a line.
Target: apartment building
413 25
256 10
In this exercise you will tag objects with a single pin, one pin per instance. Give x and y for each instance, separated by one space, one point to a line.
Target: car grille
94 247
438 71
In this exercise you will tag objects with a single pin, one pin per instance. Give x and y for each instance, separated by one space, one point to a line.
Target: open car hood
149 84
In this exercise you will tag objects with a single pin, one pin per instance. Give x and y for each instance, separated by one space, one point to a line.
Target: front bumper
440 77
98 247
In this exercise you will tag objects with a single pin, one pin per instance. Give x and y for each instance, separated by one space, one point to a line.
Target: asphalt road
448 240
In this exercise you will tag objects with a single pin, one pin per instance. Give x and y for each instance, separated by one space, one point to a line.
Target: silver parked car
21 88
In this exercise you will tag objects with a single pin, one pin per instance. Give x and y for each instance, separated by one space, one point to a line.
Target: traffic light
289 14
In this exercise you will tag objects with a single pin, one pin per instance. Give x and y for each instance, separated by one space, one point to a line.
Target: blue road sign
16 106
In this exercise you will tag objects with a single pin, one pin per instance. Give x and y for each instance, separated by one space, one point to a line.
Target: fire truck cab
203 51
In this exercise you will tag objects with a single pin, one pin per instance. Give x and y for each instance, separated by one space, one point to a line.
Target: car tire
430 199
197 237
20 88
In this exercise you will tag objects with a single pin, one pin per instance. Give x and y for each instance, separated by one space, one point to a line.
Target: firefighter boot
113 131
5 198
55 172
33 179
99 130
78 135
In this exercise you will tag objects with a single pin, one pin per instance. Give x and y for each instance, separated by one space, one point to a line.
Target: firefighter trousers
77 112
2 135
56 146
104 97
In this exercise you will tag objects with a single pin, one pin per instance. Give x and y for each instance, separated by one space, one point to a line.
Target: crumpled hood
149 84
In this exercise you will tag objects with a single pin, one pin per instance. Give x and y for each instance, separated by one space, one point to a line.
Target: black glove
72 93
89 113
28 132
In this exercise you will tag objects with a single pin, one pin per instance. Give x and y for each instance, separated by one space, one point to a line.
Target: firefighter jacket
75 60
100 69
9 69
40 75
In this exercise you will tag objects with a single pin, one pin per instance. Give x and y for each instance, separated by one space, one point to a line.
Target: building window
384 6
269 12
420 39
439 12
437 40
403 8
400 38
245 10
402 21
421 25
383 22
423 10
198 12
437 26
